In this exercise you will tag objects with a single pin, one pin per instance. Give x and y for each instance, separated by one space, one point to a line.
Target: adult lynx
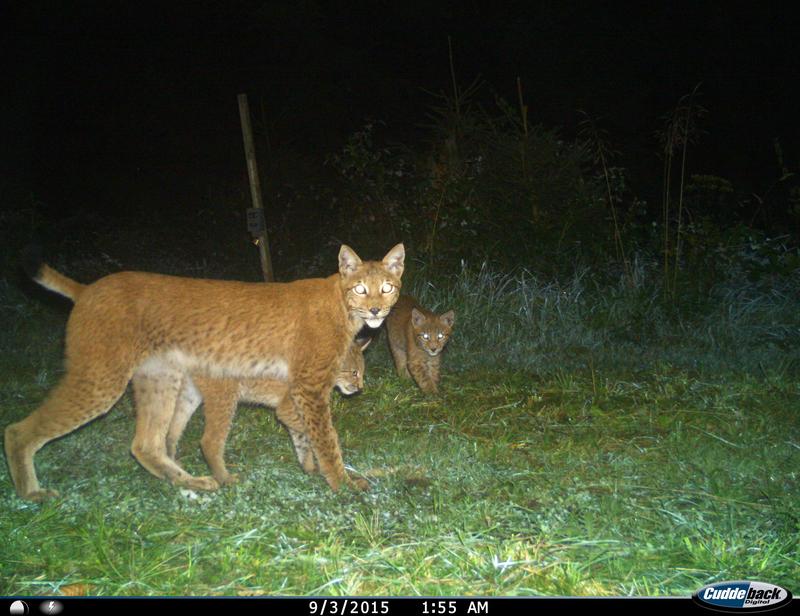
416 339
221 397
156 330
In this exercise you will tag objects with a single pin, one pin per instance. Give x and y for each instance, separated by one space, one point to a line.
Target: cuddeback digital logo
742 596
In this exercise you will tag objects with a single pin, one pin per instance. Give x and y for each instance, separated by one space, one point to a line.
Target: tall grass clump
755 327
620 321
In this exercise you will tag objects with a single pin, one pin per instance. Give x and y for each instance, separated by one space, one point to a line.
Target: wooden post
255 215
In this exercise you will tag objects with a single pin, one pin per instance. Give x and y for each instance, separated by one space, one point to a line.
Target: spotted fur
156 330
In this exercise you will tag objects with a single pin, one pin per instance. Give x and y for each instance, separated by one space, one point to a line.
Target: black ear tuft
31 259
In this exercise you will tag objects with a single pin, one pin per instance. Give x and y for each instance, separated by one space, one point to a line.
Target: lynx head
350 378
371 288
432 332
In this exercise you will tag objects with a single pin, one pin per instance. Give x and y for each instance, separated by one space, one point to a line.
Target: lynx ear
348 260
393 261
448 318
417 318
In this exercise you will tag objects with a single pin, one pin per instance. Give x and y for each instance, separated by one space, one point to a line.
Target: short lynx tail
34 265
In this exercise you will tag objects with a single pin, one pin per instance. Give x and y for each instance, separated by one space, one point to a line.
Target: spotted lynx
416 339
157 330
221 397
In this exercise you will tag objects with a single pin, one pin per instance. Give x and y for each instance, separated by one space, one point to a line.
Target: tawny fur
416 339
155 330
220 398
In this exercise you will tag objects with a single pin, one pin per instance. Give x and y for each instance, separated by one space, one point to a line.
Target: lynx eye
387 287
360 289
440 336
426 336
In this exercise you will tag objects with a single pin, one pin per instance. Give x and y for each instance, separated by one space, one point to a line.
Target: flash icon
51 608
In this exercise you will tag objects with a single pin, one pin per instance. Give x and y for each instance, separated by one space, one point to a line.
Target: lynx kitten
416 338
221 397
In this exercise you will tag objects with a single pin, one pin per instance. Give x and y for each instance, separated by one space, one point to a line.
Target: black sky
106 89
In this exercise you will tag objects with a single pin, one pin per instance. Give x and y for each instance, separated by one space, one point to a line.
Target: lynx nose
375 311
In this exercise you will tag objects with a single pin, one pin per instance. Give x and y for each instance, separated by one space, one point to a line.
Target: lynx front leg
433 371
424 377
400 358
289 416
304 452
316 413
156 394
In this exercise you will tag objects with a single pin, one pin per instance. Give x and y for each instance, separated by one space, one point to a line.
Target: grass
587 442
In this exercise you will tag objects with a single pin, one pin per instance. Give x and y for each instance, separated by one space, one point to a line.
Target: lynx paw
357 482
38 496
360 484
199 483
227 478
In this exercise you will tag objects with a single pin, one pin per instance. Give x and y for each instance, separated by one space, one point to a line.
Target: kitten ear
394 260
448 318
417 318
363 342
348 260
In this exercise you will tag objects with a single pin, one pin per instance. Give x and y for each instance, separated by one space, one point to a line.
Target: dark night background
122 112
617 413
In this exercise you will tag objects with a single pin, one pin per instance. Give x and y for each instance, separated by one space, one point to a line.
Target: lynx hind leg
82 395
221 398
189 399
156 393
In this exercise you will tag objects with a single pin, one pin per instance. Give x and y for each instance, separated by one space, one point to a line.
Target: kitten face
432 333
350 378
371 288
